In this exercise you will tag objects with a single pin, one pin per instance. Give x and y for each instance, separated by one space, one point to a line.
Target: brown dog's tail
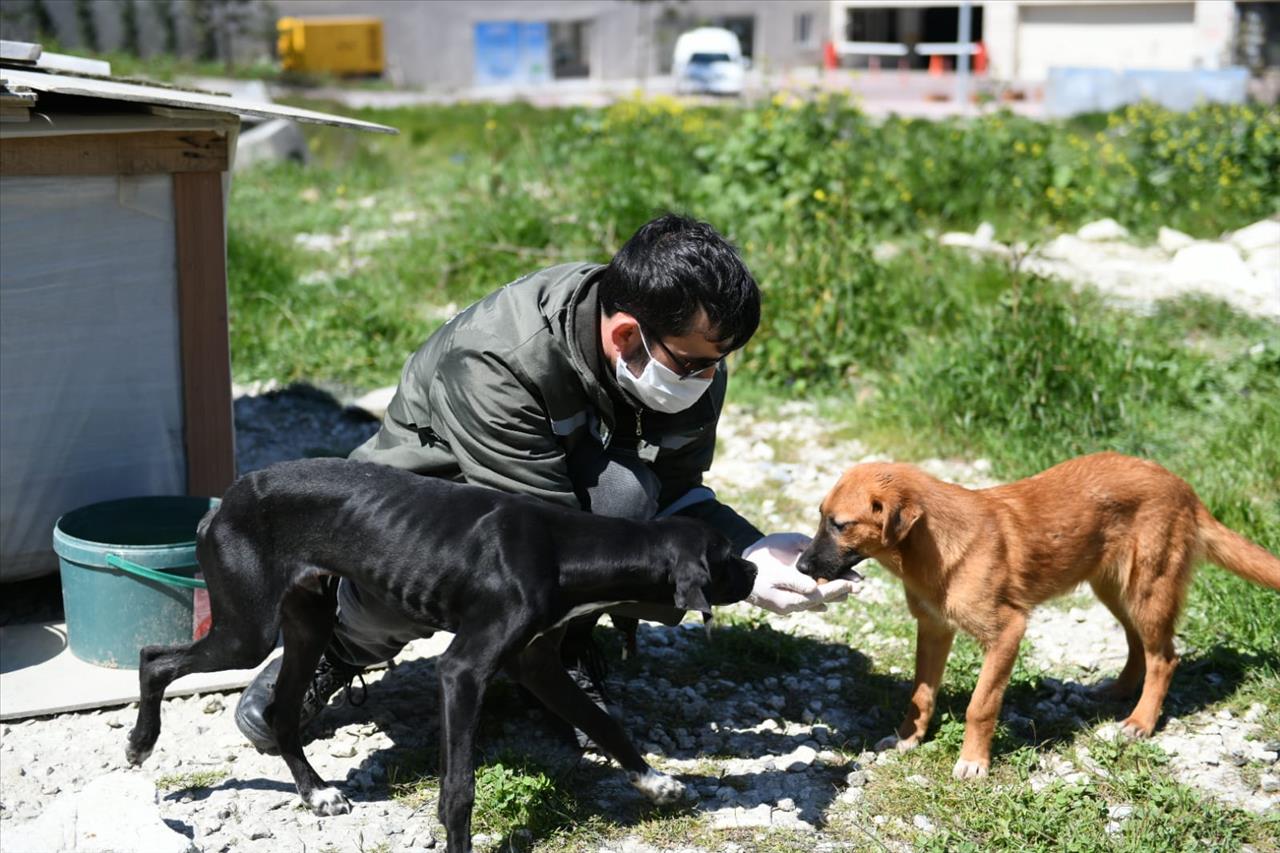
1233 552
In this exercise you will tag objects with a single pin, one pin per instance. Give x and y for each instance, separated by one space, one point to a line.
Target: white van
708 60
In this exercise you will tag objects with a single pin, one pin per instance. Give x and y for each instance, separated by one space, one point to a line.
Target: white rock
1063 247
376 402
1255 712
118 811
1102 231
1266 263
1209 263
885 251
850 795
801 758
922 823
1121 812
1171 239
275 140
980 240
760 816
1270 784
1258 236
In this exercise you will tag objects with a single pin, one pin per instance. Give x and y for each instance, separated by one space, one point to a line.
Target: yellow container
334 45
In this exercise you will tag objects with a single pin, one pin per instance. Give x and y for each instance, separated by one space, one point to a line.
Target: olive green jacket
504 392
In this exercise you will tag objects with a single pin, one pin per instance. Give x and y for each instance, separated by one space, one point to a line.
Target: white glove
779 587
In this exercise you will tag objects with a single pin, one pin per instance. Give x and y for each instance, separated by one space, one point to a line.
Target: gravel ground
782 752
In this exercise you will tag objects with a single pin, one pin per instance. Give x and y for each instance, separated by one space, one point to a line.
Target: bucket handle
151 574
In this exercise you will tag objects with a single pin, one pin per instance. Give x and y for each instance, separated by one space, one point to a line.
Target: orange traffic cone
980 59
935 65
830 60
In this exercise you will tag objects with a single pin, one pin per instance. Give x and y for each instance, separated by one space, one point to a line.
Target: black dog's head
705 570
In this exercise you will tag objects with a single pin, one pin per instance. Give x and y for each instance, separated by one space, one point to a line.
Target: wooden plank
202 309
147 153
19 51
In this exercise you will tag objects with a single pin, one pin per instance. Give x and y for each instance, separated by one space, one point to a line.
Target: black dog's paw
327 801
661 789
135 755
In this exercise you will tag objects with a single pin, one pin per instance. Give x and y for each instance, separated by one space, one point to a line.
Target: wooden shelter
115 376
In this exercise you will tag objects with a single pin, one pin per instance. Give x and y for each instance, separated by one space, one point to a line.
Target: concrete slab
39 675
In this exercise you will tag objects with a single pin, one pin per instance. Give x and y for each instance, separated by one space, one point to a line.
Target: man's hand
779 587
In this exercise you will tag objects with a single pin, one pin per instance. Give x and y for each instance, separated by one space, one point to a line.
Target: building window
570 49
803 29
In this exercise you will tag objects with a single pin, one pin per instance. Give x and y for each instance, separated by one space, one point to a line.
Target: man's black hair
675 265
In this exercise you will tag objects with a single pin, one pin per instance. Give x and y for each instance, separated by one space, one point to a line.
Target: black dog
503 573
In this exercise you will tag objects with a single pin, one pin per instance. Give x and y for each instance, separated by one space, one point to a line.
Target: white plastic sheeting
90 367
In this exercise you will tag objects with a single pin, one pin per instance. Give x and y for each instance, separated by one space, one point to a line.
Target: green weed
190 780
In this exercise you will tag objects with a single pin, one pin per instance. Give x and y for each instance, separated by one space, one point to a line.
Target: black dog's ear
690 577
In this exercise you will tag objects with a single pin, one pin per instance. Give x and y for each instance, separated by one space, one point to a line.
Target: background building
452 45
433 44
1025 38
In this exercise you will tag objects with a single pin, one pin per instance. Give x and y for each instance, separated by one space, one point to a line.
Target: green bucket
128 576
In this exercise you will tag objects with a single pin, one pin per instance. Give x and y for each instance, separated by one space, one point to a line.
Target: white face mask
658 386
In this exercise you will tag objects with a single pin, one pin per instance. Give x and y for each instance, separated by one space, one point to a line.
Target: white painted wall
1025 39
1117 35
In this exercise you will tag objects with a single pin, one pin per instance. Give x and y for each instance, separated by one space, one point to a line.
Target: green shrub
518 796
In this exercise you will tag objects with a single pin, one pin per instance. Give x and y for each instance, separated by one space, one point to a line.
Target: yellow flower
819 194
490 125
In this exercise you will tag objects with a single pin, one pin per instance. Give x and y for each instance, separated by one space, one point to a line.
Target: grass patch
514 794
1125 801
191 780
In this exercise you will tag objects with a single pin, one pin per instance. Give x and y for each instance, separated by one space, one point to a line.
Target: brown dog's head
869 511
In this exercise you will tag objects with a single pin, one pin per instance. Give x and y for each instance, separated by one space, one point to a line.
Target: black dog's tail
205 521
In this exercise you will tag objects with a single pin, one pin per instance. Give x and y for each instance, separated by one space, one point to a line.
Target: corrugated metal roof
98 87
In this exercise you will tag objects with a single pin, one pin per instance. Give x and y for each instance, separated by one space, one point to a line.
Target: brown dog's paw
1132 728
965 769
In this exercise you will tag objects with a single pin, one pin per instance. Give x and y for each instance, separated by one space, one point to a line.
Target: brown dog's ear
900 515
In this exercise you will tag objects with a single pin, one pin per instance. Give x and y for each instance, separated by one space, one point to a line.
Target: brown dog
981 560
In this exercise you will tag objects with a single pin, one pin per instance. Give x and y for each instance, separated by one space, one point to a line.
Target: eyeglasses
685 367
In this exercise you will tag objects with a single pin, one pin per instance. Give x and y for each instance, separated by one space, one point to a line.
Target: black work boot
253 712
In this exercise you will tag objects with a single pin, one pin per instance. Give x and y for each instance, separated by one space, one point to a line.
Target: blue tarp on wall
1080 90
512 53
